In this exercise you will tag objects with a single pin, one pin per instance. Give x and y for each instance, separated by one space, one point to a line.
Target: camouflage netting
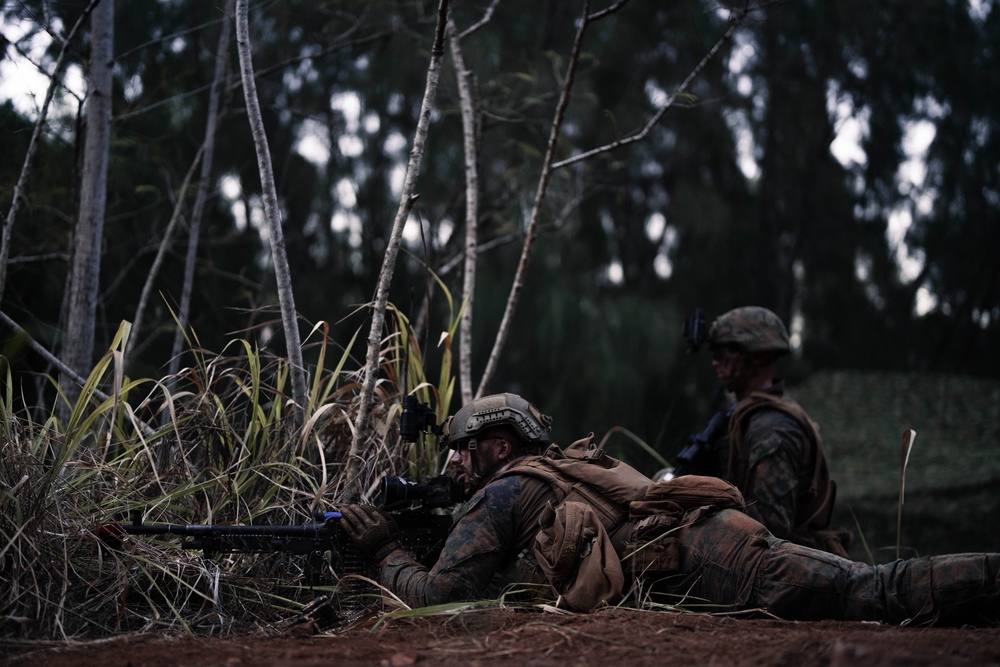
952 499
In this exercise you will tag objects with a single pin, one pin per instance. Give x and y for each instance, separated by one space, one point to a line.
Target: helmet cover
498 410
750 328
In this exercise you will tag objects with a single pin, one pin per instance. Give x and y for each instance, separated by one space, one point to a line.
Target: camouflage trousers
729 562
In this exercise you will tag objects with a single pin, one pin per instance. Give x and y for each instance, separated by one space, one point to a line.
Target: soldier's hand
372 530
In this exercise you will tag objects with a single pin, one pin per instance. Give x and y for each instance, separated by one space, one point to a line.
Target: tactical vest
814 507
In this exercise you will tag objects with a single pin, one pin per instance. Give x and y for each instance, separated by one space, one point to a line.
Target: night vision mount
695 330
417 418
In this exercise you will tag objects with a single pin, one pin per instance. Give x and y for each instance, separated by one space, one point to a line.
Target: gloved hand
372 530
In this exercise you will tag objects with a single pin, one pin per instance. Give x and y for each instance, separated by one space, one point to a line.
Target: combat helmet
752 329
498 410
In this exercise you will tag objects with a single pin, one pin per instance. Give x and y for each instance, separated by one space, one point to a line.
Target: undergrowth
219 443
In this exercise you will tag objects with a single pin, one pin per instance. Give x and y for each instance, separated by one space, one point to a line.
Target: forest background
838 163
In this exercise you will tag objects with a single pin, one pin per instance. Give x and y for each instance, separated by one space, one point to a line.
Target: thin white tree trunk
88 237
470 135
198 211
22 179
286 299
739 16
363 429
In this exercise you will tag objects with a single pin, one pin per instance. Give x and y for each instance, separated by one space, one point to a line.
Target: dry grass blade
908 437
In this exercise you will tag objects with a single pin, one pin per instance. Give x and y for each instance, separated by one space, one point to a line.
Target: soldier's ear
506 449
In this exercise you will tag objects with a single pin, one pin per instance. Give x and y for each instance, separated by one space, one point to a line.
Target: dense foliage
734 197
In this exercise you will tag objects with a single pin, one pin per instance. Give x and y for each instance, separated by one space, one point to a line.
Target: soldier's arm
475 550
775 446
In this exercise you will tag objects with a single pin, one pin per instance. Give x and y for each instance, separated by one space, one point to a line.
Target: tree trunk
161 252
88 237
198 211
470 124
282 274
536 211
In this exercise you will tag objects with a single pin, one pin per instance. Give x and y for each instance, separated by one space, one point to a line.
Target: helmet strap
477 476
474 476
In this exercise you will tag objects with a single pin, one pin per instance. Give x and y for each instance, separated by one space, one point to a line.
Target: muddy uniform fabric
776 459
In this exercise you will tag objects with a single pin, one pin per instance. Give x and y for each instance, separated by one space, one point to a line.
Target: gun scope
396 493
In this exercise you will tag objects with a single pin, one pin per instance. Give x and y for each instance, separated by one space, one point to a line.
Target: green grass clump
219 443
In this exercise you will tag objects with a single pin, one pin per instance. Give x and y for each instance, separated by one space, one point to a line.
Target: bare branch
22 180
597 16
341 43
197 212
487 16
282 274
362 430
655 118
48 356
543 183
154 270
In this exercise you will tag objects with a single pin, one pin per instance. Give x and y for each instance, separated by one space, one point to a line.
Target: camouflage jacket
487 550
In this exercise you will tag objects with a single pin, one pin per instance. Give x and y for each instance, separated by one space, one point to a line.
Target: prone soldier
593 529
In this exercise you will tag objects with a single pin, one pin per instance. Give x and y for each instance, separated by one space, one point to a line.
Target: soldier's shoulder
767 417
503 490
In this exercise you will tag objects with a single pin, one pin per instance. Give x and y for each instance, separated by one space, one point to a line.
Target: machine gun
422 532
697 457
331 556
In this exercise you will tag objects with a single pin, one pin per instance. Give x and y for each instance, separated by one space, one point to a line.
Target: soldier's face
730 367
468 468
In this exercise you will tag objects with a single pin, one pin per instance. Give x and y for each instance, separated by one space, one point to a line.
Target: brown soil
503 636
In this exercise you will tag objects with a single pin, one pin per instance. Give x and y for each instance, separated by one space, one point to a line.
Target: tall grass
214 444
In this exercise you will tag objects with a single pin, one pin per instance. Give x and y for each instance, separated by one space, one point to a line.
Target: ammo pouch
667 508
576 554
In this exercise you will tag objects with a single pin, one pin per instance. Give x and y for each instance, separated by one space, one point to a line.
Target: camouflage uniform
770 449
725 560
485 551
776 459
733 563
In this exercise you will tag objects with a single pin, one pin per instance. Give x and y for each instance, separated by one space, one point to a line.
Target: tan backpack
596 494
572 546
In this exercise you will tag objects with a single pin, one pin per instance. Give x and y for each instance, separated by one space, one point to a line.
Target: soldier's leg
708 563
801 583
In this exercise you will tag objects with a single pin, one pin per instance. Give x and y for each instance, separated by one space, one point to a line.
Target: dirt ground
499 636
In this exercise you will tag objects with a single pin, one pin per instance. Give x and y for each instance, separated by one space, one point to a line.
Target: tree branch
197 212
36 133
651 123
543 183
363 429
